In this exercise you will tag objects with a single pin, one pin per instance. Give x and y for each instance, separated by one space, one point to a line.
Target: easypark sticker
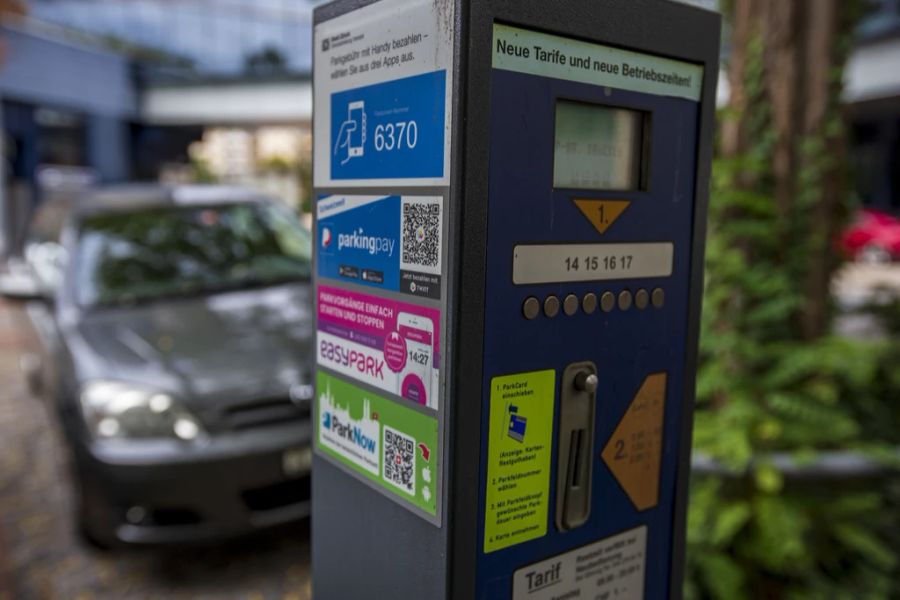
390 345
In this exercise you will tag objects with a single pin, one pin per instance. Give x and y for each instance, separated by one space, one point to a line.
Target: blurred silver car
175 346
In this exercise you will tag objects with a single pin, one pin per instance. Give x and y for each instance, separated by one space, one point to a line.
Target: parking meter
510 207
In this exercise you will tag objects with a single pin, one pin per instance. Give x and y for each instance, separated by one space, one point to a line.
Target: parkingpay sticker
388 445
383 95
609 569
386 242
519 449
390 345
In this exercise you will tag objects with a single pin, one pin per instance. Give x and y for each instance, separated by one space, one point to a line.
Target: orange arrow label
602 213
634 452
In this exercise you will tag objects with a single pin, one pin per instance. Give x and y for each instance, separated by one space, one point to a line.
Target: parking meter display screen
598 147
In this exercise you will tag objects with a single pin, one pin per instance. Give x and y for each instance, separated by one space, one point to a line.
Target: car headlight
115 410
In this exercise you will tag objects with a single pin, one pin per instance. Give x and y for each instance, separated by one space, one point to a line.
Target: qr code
400 460
421 235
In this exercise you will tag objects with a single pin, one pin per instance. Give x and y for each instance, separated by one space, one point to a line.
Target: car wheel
87 538
874 255
82 522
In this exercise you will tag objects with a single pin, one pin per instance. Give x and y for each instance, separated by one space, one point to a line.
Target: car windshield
131 257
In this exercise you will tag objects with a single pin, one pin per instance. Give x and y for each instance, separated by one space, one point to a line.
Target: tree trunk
803 45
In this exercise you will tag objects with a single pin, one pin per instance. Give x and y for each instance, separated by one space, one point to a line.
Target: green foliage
201 171
765 389
276 164
762 389
301 169
266 61
304 172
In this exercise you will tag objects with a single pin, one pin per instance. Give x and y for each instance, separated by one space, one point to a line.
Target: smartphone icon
416 378
357 114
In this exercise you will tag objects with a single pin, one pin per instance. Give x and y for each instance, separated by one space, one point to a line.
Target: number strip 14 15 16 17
562 263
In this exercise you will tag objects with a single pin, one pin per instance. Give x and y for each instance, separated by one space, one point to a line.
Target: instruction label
546 55
390 345
387 242
634 452
390 446
383 94
609 569
519 451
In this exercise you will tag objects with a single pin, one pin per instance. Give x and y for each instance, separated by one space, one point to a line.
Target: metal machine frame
658 27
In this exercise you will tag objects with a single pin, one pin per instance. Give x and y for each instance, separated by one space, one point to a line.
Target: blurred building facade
64 105
101 91
156 89
873 98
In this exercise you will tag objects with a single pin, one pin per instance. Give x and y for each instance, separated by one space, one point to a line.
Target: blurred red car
873 237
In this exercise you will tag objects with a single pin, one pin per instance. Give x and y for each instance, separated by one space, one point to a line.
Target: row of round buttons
589 304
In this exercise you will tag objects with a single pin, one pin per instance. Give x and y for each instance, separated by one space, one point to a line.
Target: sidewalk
6 591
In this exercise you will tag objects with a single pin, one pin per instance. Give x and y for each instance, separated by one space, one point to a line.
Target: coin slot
574 468
575 459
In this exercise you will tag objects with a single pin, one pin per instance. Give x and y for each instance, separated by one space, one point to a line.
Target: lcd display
598 147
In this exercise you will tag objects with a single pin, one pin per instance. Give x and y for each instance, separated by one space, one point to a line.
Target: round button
586 382
625 300
532 308
642 299
589 304
607 302
659 298
551 306
570 305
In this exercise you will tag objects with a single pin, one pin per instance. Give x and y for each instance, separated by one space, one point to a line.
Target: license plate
297 461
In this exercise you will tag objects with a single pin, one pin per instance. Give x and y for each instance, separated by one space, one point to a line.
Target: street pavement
40 557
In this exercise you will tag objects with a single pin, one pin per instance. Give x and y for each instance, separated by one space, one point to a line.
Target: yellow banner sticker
519 450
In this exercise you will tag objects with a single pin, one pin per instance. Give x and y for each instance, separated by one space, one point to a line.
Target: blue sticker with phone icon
392 130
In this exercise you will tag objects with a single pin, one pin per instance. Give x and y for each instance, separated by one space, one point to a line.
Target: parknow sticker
392 447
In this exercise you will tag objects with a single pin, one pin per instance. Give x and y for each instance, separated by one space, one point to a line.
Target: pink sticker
414 389
395 352
417 335
391 345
